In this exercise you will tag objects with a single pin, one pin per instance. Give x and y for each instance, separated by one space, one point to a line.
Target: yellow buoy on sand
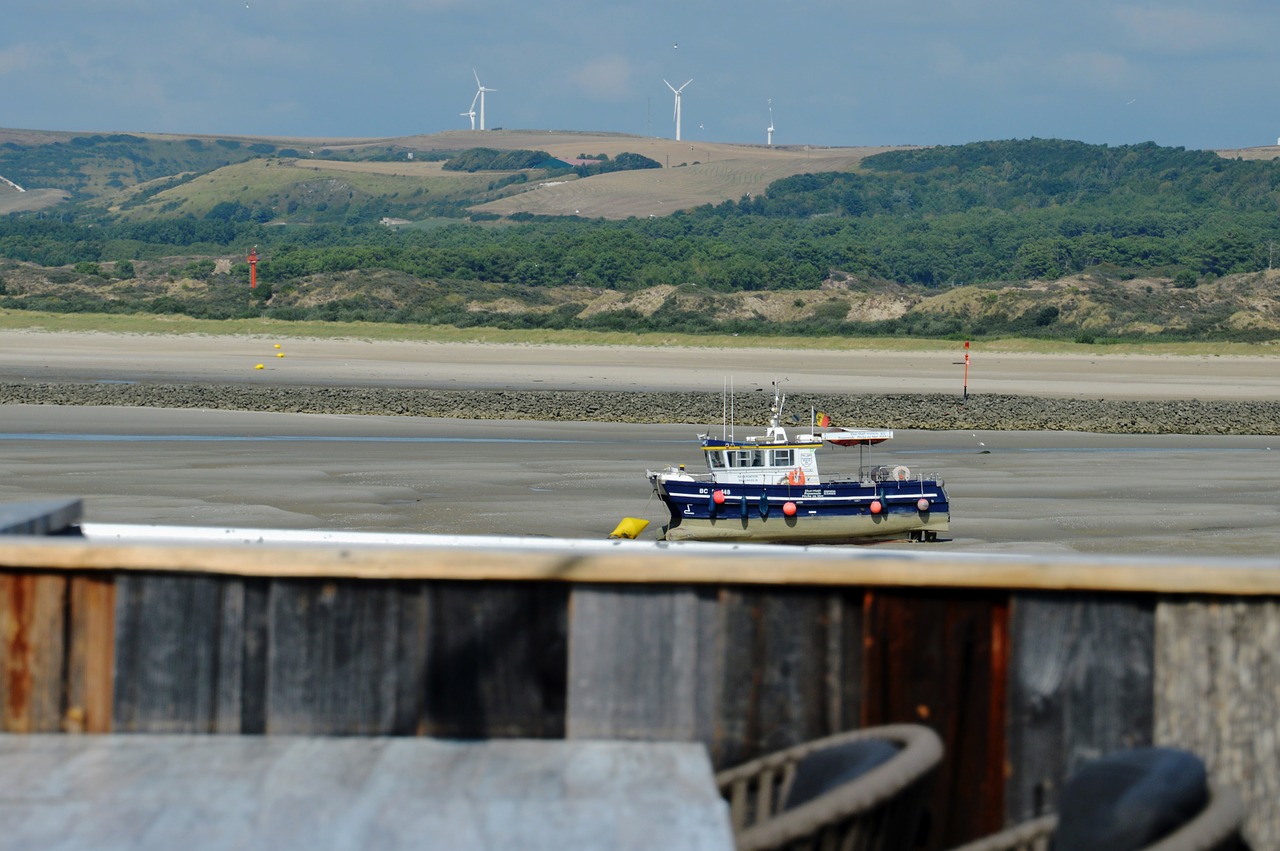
630 527
259 366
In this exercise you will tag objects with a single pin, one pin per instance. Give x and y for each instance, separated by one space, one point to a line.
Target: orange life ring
796 476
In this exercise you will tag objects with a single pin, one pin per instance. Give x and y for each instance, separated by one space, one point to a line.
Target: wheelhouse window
746 458
782 458
715 459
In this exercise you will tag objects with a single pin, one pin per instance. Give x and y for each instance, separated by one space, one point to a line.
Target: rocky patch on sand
902 411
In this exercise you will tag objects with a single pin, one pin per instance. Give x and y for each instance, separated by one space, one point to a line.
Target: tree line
994 211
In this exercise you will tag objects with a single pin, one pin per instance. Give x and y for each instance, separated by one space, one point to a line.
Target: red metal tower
253 267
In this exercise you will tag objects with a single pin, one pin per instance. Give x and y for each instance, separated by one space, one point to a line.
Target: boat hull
833 512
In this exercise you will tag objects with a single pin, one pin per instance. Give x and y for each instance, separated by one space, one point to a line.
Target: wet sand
1011 491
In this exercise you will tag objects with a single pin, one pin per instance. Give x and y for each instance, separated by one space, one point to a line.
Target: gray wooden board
1217 694
168 651
791 669
1080 686
496 664
332 657
278 792
42 517
642 663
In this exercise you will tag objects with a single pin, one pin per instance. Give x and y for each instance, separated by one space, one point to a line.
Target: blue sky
1195 73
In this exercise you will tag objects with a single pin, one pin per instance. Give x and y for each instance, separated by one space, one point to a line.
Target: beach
1012 490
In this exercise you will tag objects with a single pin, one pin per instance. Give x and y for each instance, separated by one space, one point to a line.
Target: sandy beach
1012 491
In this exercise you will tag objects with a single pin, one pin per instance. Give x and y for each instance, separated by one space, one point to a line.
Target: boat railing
895 472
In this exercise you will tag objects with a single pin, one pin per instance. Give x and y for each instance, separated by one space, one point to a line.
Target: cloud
607 78
17 58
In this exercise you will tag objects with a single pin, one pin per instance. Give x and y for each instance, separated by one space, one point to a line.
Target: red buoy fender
789 509
876 507
718 497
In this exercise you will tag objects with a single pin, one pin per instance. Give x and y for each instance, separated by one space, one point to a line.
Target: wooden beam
860 567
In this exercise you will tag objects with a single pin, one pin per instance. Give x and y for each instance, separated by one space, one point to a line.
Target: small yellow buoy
259 366
277 345
630 527
279 354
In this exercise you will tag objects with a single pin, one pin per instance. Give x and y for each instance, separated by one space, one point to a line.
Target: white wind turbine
769 129
471 113
677 92
480 90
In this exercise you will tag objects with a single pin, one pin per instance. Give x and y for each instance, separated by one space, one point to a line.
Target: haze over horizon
1190 73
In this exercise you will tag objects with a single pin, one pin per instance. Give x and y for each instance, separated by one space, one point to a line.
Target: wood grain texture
497 660
790 665
643 663
626 565
91 654
1081 686
1217 694
145 792
168 653
331 657
32 651
939 659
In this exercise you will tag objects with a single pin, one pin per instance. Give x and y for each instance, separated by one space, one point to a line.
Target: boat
768 488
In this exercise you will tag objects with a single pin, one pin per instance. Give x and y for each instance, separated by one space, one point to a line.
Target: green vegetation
1039 238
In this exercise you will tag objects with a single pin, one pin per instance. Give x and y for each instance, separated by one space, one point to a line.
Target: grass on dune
17 320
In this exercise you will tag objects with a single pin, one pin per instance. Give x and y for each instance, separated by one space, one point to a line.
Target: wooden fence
1024 665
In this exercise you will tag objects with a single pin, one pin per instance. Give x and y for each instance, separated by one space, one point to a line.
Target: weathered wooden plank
643 663
412 659
254 659
32 653
91 653
331 657
155 793
228 673
497 660
1217 694
43 517
1081 680
940 659
628 565
167 653
789 669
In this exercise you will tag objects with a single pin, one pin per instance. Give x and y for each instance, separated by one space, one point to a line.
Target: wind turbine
471 113
676 92
769 129
480 90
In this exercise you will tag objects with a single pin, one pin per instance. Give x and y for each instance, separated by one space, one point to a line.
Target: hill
1047 238
149 175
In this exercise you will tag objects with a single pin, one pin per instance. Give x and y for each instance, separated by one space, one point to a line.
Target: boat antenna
731 413
724 410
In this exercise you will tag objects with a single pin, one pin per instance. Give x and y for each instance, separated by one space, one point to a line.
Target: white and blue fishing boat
767 488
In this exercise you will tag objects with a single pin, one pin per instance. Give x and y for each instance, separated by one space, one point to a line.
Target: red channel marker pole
253 269
966 370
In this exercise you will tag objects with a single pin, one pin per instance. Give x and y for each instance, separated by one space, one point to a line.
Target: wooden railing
1024 665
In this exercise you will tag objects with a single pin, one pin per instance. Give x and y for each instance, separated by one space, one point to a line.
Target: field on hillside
693 173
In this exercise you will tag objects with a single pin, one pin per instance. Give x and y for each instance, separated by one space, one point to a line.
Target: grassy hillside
1042 238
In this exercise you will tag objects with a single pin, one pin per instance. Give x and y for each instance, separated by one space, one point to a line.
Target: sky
1190 73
